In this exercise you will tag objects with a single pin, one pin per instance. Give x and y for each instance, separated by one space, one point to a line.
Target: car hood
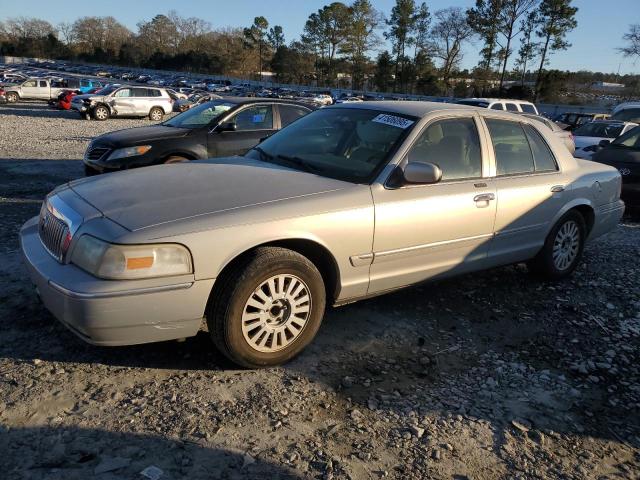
136 136
150 196
582 142
88 96
616 155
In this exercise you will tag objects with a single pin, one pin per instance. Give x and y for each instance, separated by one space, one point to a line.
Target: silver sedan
351 201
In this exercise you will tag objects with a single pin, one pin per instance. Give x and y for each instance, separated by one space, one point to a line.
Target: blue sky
600 24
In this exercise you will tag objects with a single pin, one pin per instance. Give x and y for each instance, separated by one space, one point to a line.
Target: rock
110 464
521 425
152 472
416 431
347 382
435 454
248 460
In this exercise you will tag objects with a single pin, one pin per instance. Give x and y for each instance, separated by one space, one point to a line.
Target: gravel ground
488 376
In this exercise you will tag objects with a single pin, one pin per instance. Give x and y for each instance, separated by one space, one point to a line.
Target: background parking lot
492 375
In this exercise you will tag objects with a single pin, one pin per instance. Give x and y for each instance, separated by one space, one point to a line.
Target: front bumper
107 312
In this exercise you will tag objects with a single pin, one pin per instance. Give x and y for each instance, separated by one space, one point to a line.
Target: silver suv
124 101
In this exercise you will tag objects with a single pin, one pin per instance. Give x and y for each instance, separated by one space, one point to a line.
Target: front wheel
156 114
101 113
562 249
268 308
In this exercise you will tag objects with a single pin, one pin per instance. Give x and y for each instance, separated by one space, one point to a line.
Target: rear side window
453 145
512 107
496 106
43 84
511 147
542 156
290 113
528 108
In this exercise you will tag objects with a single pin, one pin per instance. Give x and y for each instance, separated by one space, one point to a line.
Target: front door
122 101
529 189
30 89
445 228
252 123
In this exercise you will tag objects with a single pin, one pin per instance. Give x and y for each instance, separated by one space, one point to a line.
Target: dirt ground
488 376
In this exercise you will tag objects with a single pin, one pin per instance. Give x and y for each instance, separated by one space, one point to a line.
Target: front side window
290 113
201 116
542 156
453 145
528 108
350 144
512 152
258 117
30 83
123 93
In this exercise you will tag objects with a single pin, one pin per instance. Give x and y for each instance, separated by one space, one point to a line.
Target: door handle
484 197
557 188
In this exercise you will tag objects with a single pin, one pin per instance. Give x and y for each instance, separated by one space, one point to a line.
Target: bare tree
449 33
632 49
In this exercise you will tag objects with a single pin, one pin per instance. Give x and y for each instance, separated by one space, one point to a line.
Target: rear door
253 122
290 113
529 188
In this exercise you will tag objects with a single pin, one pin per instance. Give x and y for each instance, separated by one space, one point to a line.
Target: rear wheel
12 97
563 248
268 308
156 114
101 113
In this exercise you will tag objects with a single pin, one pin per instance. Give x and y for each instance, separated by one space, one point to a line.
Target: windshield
200 116
349 144
604 130
628 115
629 139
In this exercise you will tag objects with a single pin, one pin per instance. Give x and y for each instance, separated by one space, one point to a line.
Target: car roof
410 107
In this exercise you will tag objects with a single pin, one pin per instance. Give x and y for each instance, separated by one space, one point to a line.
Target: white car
588 137
627 112
322 99
503 104
349 100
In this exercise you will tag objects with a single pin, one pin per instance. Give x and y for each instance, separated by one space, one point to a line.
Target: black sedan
623 153
220 128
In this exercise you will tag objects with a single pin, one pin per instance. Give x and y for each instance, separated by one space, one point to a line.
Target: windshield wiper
295 161
299 162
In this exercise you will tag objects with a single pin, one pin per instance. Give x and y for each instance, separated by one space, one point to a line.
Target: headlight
127 262
129 152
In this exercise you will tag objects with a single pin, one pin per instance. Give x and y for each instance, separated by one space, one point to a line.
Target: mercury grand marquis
351 201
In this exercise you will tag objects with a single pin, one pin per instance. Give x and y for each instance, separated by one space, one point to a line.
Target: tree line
409 50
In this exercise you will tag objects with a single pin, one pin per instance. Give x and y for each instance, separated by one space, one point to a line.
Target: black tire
156 114
101 113
175 159
544 265
238 284
12 97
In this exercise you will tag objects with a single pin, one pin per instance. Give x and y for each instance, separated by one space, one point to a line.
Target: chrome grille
96 153
53 233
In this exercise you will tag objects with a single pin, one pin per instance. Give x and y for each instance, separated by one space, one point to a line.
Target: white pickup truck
34 89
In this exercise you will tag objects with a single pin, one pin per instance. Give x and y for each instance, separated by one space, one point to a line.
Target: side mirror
227 127
421 173
604 143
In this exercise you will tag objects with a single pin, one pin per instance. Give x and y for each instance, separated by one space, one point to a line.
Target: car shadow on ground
74 453
453 327
39 109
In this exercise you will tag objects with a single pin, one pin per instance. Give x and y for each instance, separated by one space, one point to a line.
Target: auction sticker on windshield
393 121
